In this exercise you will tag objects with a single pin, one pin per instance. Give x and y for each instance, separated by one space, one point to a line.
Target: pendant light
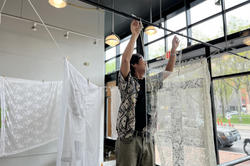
150 30
112 40
58 3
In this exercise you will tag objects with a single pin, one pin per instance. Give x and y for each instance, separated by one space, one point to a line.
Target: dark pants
137 151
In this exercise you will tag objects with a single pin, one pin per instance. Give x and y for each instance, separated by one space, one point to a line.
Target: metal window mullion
224 21
207 51
188 22
165 35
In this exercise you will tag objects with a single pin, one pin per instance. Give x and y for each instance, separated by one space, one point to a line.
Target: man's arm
135 28
172 59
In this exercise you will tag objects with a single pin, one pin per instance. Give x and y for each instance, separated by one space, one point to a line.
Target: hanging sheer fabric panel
79 142
29 114
115 104
179 106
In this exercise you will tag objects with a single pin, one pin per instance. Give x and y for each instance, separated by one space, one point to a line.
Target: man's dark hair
134 60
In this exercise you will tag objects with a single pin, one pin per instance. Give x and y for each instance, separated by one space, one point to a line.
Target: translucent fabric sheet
79 143
115 104
183 132
29 114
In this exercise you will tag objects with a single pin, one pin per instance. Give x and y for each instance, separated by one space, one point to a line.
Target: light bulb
150 30
58 3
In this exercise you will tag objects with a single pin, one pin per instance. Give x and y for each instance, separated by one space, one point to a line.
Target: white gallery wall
29 54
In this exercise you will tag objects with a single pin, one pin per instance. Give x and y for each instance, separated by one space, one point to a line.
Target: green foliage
229 64
235 25
245 119
110 66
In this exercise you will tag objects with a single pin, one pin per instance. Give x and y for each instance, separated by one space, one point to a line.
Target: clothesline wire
47 29
3 6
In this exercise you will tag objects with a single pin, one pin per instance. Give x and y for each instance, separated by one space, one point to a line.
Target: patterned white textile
29 114
115 104
79 143
184 135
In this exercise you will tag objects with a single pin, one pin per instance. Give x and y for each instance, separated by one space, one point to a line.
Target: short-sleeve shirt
129 90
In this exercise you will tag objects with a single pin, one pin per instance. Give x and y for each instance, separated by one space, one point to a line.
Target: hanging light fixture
246 41
150 30
58 3
112 40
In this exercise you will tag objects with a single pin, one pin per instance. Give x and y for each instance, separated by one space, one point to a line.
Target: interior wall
29 54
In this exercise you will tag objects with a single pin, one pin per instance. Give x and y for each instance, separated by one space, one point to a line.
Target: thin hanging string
47 29
180 53
113 18
141 36
179 62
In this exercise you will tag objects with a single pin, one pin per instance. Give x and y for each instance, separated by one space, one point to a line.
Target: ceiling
140 8
70 17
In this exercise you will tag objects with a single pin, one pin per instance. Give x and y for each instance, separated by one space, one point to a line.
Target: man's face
141 66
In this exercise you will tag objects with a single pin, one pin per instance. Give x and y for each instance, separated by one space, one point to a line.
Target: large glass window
204 10
177 22
183 41
229 64
156 49
232 107
208 30
110 66
110 53
238 19
123 46
231 3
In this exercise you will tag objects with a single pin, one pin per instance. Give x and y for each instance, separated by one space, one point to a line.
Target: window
231 3
110 66
238 19
110 53
123 45
183 41
232 106
230 64
155 49
204 10
160 33
208 30
177 22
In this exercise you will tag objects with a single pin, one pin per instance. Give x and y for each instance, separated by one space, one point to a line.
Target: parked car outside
227 136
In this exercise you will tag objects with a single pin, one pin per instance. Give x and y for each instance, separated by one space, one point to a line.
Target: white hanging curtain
29 114
79 143
115 104
184 134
